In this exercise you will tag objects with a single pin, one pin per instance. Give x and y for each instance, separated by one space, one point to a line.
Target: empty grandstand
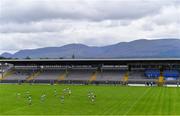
18 75
171 74
95 71
80 74
49 75
111 75
152 73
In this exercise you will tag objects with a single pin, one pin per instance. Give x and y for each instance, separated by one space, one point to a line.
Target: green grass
114 100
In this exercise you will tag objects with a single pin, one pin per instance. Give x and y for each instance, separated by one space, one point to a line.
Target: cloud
41 23
168 15
33 27
38 10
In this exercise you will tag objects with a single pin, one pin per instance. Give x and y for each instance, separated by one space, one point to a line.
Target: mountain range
142 48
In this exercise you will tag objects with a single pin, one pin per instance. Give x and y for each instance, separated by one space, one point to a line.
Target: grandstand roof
122 61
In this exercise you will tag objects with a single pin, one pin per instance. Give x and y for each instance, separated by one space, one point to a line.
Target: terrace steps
33 76
93 76
7 74
161 81
1 77
62 77
125 78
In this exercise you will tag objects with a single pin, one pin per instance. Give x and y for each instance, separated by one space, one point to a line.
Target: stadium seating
79 74
92 75
136 74
171 74
50 74
152 73
19 75
110 75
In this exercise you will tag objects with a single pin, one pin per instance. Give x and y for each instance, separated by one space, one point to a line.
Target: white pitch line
136 102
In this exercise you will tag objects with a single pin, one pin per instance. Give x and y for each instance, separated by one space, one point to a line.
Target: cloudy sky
26 24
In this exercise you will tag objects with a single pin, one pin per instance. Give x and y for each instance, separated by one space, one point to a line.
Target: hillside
138 48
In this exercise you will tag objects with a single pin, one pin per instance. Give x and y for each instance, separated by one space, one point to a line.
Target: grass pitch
111 100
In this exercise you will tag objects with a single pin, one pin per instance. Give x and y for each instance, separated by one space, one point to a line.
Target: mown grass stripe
138 100
111 100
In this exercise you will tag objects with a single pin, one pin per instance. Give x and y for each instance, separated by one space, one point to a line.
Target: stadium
144 86
92 71
89 57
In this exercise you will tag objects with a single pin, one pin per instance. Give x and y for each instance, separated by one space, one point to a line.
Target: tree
2 57
27 57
